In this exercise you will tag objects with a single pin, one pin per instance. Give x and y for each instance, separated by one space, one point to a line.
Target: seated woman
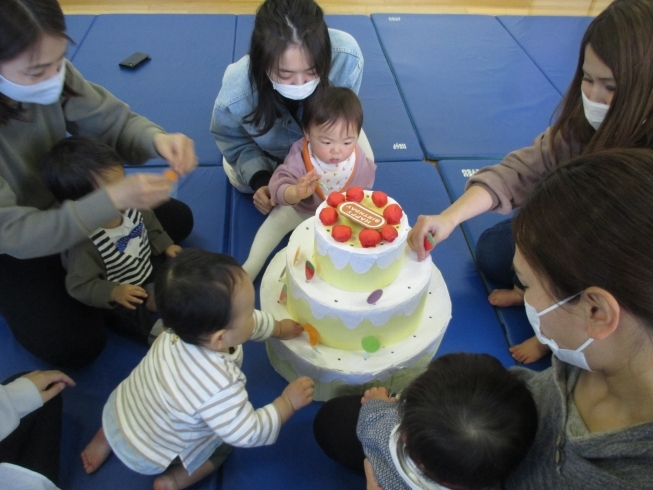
583 253
292 57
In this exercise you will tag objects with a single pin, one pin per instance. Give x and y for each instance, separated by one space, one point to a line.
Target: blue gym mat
77 26
471 91
553 43
473 328
455 174
178 87
207 191
387 125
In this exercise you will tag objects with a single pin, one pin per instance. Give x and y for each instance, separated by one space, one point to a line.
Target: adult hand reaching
140 191
372 484
49 383
178 149
437 225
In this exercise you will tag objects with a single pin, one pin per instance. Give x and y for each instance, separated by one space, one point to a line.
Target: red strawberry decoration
329 216
369 238
355 194
429 242
309 270
389 233
341 233
379 199
393 214
335 198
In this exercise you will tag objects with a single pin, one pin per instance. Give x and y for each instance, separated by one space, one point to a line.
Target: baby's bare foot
529 351
96 452
176 477
506 297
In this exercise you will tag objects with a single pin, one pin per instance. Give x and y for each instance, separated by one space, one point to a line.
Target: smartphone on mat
134 60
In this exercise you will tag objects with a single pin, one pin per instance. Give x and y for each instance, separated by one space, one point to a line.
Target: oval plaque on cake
361 215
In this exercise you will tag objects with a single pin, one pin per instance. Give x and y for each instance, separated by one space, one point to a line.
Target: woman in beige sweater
609 104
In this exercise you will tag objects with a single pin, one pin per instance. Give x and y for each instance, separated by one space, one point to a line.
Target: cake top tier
366 221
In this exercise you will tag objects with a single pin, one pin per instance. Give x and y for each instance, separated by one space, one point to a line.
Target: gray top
26 229
565 455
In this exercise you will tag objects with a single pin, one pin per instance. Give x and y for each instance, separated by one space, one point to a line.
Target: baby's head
206 298
467 422
77 165
332 121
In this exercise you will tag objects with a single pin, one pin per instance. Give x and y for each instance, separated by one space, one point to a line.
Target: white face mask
296 92
594 112
45 92
573 357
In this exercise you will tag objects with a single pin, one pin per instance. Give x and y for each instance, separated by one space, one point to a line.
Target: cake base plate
339 372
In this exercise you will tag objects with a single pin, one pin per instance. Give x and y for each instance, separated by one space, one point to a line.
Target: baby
117 264
186 399
327 159
464 424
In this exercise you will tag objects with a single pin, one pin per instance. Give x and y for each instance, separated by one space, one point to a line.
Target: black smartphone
134 60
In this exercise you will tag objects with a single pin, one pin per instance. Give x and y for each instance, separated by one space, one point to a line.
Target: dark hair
194 293
467 421
622 37
589 224
334 104
73 165
22 23
278 24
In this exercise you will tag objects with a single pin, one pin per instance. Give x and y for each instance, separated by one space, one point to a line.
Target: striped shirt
181 397
133 266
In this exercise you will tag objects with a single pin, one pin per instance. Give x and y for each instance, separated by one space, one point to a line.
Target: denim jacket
250 154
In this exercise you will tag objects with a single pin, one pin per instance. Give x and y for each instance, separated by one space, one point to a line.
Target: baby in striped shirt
186 401
115 268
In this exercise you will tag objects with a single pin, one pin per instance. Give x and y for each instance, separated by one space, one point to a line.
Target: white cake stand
339 372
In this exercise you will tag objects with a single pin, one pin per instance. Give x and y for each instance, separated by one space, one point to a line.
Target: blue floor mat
551 42
470 89
178 87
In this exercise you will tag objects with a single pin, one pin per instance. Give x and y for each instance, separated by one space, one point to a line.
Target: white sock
280 221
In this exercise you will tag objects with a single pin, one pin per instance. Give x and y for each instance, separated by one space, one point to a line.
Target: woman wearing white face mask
583 254
257 114
608 105
42 97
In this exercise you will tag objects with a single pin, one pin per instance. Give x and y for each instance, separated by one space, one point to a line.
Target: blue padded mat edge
486 96
552 42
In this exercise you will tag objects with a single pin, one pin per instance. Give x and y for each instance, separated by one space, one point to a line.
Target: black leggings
334 429
35 444
49 323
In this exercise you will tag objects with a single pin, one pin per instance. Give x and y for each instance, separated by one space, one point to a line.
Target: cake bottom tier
338 372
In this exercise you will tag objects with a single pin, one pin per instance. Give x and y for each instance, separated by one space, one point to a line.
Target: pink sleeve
288 173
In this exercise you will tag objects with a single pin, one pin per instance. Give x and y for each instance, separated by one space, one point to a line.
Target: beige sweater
31 222
511 181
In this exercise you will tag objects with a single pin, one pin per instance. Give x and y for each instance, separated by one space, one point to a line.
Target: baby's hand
128 295
299 393
379 393
287 329
173 250
306 185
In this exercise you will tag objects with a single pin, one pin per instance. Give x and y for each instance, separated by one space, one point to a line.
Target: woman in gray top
583 253
42 97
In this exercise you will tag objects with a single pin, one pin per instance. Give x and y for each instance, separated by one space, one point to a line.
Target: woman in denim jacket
257 112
